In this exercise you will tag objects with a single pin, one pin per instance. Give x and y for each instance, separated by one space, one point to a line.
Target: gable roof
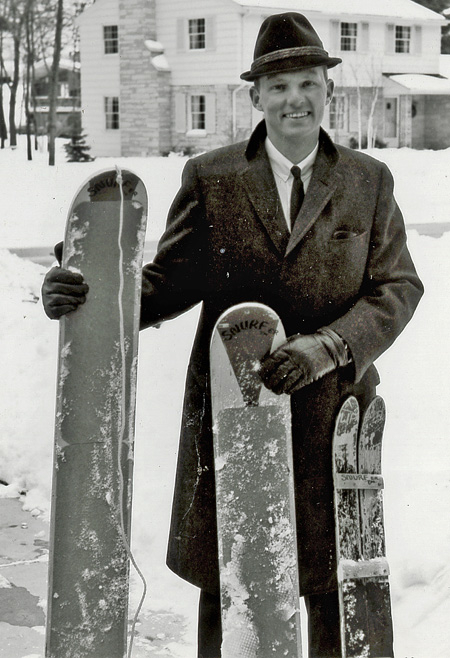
406 9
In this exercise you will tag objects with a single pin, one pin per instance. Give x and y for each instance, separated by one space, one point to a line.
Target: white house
158 75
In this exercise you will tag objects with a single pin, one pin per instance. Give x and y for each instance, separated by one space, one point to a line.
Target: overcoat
345 265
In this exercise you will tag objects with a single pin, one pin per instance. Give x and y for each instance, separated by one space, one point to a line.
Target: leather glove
303 359
63 290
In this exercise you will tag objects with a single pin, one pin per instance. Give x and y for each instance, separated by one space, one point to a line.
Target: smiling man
311 229
293 103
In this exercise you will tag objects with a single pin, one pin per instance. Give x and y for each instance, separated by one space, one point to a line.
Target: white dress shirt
281 168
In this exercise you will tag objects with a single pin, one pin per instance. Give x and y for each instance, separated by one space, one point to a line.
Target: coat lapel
324 181
259 182
260 185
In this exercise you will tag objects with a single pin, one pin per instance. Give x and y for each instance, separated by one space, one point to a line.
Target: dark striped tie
297 194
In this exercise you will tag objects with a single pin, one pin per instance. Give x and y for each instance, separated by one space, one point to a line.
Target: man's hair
323 67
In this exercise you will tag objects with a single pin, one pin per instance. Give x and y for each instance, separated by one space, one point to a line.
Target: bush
77 150
353 143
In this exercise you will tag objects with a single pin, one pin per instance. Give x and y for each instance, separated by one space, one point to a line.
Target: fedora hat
286 42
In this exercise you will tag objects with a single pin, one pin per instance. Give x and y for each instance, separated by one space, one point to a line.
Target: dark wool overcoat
345 265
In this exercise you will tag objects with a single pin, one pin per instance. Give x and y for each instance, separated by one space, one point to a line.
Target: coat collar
261 187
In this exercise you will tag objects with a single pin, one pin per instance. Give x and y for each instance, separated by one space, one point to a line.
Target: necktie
297 194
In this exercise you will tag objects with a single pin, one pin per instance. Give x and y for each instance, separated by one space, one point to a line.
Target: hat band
299 51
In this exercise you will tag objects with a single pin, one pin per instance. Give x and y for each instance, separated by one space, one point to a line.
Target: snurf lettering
262 326
110 182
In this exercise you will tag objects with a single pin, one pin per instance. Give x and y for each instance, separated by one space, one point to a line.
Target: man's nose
296 95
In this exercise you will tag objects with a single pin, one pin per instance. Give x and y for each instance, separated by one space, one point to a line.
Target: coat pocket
347 235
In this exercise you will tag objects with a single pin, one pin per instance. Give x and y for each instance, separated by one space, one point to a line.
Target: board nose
245 354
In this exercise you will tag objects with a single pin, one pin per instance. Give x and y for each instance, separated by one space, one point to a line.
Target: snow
418 83
414 373
405 9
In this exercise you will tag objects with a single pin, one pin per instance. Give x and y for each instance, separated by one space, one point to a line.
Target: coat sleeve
177 278
391 289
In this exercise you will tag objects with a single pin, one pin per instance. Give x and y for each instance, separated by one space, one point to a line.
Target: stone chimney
144 90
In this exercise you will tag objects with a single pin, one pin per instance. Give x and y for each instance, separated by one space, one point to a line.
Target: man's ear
330 90
254 95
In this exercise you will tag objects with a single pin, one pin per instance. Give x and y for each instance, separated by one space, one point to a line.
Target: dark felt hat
287 42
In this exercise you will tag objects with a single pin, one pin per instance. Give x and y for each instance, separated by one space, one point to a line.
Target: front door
391 121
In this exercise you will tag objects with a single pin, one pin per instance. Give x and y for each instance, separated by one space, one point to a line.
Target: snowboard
254 490
94 427
363 572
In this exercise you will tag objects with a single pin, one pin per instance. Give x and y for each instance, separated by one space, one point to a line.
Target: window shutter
181 34
335 44
180 112
390 39
363 38
210 107
210 27
417 40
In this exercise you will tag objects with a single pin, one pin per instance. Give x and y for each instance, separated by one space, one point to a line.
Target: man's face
293 103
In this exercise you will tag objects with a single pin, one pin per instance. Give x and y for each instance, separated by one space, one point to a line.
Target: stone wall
139 82
437 124
230 101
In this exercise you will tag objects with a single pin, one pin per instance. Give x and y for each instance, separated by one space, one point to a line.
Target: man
335 267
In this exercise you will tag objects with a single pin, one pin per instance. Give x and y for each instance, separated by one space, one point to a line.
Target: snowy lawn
415 384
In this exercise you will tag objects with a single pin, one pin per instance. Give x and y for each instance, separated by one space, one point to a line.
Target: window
349 32
198 112
197 34
112 112
111 39
337 113
402 39
195 112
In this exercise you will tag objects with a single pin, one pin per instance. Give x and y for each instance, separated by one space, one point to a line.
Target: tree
439 6
54 82
15 18
4 79
435 5
77 150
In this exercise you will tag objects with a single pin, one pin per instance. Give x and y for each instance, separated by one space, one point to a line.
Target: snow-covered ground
415 384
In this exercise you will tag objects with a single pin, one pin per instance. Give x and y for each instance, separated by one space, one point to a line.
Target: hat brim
290 64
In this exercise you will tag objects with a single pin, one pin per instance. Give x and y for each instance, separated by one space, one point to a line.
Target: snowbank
415 384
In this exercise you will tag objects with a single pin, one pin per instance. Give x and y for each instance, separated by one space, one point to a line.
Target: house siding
364 67
99 78
219 62
231 121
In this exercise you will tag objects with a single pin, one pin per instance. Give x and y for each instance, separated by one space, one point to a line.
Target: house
68 110
162 75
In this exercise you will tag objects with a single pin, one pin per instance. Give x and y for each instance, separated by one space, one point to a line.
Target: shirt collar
282 166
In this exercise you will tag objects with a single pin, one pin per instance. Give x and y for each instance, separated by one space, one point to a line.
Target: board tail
364 597
254 491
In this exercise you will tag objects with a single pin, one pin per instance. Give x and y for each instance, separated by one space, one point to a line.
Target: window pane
337 113
198 112
197 34
402 39
112 113
111 39
349 33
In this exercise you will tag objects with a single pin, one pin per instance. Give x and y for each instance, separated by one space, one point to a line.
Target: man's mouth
296 115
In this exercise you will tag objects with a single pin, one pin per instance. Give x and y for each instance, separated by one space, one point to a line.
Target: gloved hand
303 359
63 290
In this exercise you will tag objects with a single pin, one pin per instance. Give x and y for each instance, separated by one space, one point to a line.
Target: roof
421 84
42 69
406 9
